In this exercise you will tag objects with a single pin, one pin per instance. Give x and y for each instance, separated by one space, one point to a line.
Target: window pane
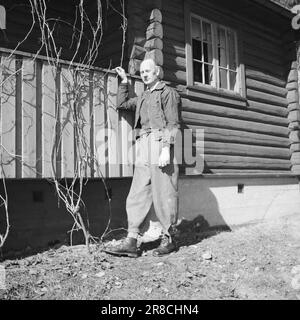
196 29
208 73
222 58
223 78
207 52
207 32
232 55
222 48
197 50
232 79
197 71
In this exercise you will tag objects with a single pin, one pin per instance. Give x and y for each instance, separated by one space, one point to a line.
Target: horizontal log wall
249 135
113 50
37 121
23 31
294 111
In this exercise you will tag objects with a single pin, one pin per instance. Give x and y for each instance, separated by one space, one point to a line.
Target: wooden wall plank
100 124
261 172
243 137
265 87
173 33
222 122
267 108
175 76
39 118
57 157
264 77
48 121
139 88
92 124
174 48
8 116
67 122
114 147
127 121
234 113
174 62
174 19
256 40
274 57
19 117
266 98
1 118
264 66
29 115
238 162
127 135
238 149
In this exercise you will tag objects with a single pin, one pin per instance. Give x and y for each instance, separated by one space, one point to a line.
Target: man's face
149 72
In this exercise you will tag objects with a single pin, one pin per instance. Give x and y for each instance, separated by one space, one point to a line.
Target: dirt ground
260 261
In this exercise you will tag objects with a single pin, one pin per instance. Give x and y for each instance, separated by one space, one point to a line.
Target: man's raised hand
122 74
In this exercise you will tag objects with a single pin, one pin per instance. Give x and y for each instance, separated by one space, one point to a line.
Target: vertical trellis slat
37 120
92 124
83 109
19 117
48 120
29 118
113 127
67 125
100 124
39 115
8 116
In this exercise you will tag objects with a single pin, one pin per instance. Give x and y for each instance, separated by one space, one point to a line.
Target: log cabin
235 64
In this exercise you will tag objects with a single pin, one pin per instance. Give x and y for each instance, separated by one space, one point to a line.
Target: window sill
214 95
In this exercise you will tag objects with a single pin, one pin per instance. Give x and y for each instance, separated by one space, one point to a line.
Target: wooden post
150 45
294 112
137 23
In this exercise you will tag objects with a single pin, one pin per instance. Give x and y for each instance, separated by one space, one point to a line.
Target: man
155 176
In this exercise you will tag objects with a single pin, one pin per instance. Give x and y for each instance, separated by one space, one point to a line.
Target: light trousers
152 184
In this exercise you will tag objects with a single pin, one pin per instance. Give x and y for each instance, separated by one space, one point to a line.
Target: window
214 55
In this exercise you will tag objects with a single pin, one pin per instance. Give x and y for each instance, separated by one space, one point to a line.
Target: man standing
155 178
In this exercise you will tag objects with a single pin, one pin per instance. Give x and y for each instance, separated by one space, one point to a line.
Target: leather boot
128 248
166 246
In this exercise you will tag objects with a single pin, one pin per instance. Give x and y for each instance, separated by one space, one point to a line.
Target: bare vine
4 204
87 31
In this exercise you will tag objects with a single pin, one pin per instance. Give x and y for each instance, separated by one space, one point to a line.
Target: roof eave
277 7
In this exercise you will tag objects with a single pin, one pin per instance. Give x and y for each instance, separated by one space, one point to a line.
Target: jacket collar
158 86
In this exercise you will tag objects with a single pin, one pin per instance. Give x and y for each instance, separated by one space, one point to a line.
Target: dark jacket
163 112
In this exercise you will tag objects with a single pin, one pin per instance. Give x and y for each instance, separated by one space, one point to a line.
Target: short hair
157 67
150 59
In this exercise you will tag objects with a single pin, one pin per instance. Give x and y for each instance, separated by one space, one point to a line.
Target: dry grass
253 262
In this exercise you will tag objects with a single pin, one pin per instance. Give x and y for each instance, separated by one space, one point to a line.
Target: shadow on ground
189 233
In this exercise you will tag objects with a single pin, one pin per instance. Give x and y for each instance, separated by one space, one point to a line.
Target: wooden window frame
213 50
2 17
192 88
